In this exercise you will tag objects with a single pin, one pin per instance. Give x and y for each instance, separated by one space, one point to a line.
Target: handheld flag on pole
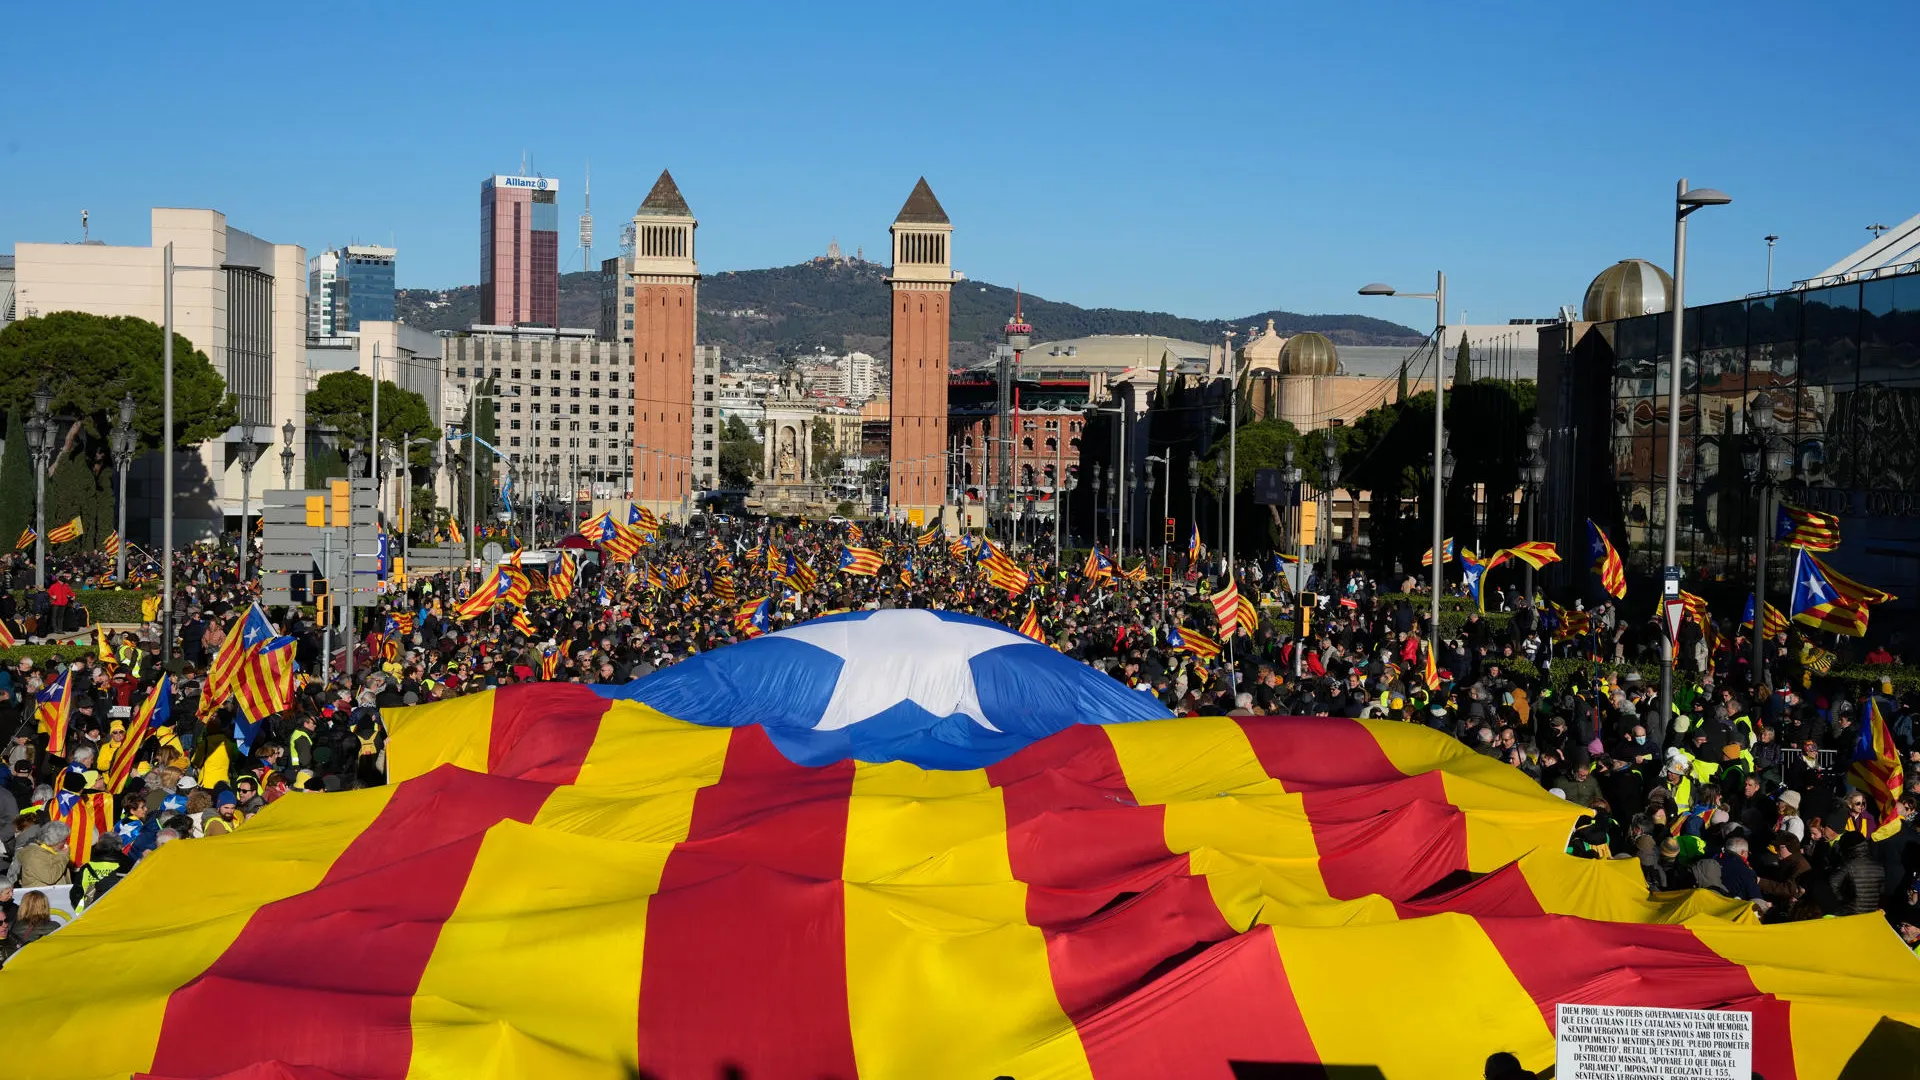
1472 570
112 545
1098 568
1818 601
1193 641
54 709
1226 607
155 712
265 686
1875 764
1446 553
928 537
1195 549
560 582
1030 626
859 561
1773 622
72 530
490 589
1808 529
1432 672
1606 561
27 536
249 631
752 617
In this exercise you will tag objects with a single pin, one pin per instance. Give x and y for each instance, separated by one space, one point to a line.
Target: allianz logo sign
524 182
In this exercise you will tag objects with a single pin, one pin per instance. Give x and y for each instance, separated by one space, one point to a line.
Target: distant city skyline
1209 162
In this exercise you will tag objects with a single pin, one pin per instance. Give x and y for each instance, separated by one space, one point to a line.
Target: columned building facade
665 279
921 284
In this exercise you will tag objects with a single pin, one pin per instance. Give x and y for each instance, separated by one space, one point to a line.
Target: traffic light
1169 533
1303 615
322 601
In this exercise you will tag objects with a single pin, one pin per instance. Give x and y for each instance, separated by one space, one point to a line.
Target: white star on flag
902 655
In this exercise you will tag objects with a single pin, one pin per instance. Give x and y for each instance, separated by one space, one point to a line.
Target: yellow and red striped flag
1874 765
1193 641
859 561
1226 607
1446 548
265 684
27 536
560 582
524 623
72 530
154 712
361 893
112 545
249 631
1249 615
1606 561
928 537
549 663
1809 529
1030 626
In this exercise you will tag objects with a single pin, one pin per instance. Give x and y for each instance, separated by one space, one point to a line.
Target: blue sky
1206 159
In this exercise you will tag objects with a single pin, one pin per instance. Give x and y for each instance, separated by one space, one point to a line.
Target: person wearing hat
226 815
1782 885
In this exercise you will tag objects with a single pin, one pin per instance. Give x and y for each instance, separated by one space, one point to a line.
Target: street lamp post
1686 201
1439 298
1331 478
1060 510
286 454
1233 451
40 444
122 444
1768 459
1290 477
1534 475
1193 491
1099 498
248 453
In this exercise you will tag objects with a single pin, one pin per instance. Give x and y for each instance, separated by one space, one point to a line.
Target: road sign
1673 581
1675 611
493 552
1267 489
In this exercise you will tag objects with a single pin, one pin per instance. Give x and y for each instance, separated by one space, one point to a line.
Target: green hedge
103 605
1904 676
43 655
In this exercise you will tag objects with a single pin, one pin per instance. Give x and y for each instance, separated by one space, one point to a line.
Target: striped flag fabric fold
1226 607
265 683
859 561
61 534
1808 529
1446 553
1110 901
1606 561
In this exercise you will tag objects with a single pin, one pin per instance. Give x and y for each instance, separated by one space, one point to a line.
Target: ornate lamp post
40 445
286 454
1193 490
122 444
1768 460
248 453
1327 484
1290 483
1534 475
1099 498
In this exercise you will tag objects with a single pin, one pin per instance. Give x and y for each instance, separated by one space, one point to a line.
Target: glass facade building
1841 365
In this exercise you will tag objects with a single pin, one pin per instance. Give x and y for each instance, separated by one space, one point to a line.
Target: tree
1462 364
1261 445
16 481
343 401
826 455
741 454
91 361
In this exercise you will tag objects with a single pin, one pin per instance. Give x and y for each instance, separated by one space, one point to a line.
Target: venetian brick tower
665 279
922 287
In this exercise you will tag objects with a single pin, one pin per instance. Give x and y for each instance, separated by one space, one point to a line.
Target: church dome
1309 354
1627 288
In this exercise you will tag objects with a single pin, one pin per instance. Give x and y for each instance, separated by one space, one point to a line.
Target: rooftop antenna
586 220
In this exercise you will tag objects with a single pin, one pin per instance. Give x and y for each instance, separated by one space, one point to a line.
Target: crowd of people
1743 787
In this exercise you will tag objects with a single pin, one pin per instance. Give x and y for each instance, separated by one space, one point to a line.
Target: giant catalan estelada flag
910 844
